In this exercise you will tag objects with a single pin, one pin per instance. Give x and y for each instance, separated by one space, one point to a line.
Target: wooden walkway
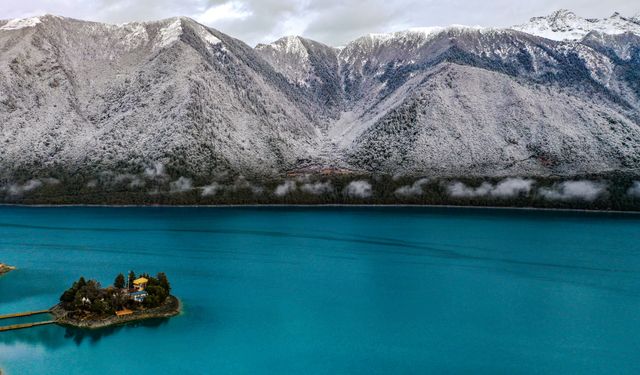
25 325
19 315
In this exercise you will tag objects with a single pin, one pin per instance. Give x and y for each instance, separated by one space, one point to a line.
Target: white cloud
512 187
241 183
285 188
329 21
461 190
359 189
211 189
137 182
507 188
134 181
19 189
413 189
50 181
156 171
181 185
317 188
634 190
231 10
574 190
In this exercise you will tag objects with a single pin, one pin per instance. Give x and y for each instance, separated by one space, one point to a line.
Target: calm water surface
334 290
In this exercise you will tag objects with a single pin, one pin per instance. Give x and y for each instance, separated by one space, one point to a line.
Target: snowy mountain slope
418 116
311 66
393 63
76 93
566 25
82 98
471 121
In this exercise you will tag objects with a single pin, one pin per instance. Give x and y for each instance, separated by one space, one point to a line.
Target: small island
88 305
4 268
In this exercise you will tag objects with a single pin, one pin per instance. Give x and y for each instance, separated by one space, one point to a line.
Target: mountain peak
562 14
291 45
173 28
566 25
21 23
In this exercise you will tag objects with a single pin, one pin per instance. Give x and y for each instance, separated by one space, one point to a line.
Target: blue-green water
334 290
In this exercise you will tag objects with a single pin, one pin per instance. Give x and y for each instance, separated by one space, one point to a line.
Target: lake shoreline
276 205
171 307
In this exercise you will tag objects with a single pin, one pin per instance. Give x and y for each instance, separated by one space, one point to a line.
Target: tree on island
132 276
119 281
164 282
69 295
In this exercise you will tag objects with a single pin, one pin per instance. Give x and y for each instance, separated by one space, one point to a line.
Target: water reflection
48 336
55 337
92 336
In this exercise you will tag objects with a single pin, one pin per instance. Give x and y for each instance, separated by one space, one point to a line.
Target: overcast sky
330 21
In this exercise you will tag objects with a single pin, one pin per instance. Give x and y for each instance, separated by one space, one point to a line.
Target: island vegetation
87 304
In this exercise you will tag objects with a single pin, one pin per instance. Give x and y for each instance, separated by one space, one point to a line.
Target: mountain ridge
566 25
81 97
561 20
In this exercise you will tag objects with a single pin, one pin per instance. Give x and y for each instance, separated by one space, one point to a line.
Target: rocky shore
4 269
171 307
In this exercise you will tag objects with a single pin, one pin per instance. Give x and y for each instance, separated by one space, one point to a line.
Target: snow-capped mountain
81 98
76 93
566 25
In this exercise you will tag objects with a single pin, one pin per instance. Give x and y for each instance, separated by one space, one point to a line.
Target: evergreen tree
132 276
164 282
68 296
81 282
119 281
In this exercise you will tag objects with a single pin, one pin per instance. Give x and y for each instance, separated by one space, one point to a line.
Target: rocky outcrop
5 268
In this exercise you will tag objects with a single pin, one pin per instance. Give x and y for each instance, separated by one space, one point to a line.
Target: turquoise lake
333 290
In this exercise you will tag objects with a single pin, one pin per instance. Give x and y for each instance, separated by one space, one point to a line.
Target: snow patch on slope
207 35
17 24
170 34
135 35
